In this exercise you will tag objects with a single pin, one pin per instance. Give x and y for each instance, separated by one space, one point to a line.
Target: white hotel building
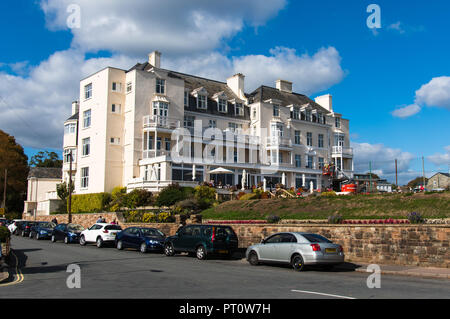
120 131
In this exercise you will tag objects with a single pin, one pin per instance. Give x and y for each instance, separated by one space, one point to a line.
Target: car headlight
153 242
43 232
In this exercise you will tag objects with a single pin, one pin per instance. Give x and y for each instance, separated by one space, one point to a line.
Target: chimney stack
154 59
75 107
325 101
236 84
284 86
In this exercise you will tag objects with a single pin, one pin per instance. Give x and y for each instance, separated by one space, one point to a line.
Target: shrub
170 195
415 218
273 219
249 196
329 194
239 195
264 195
205 196
4 234
187 206
137 198
165 217
335 219
95 202
149 218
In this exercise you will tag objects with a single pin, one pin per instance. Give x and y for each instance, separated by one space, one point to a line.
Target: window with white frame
86 118
115 140
86 146
320 118
234 126
129 87
310 160
66 156
116 108
337 122
298 160
167 143
254 113
321 162
276 129
212 123
201 102
88 91
222 105
309 140
116 87
85 177
297 138
239 109
70 128
308 115
189 121
148 141
276 110
296 113
160 86
161 109
320 141
186 98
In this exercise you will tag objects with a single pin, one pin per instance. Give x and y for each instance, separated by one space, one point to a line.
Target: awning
220 170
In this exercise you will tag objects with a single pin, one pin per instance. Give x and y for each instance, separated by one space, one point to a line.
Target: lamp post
70 188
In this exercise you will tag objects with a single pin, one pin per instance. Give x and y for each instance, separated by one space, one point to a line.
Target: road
109 273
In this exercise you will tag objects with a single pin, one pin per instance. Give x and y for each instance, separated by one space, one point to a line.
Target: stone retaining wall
415 245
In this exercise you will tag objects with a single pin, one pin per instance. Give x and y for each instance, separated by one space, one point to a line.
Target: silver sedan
296 249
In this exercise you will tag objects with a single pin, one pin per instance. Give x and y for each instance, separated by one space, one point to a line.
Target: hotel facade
148 127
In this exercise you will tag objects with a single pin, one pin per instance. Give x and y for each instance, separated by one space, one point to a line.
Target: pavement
423 272
41 269
4 272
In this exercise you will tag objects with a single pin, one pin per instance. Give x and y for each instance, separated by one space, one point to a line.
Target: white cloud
309 73
435 93
397 27
178 27
382 159
406 111
34 108
441 160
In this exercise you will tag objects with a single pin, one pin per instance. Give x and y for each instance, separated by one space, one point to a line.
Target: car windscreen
47 225
113 227
152 232
75 227
315 238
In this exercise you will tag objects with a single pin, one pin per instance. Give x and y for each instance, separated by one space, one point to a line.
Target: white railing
161 121
154 153
342 150
279 141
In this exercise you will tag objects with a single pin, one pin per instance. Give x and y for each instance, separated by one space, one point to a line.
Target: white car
100 233
12 227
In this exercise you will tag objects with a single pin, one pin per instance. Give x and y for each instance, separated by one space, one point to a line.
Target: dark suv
202 240
24 228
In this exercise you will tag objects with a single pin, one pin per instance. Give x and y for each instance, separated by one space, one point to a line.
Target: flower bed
243 222
377 221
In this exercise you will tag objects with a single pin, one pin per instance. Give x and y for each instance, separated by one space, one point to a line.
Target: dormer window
222 105
201 102
239 109
308 115
337 122
295 113
160 86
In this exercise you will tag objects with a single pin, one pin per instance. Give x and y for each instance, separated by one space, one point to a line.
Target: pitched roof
264 93
74 117
45 172
445 174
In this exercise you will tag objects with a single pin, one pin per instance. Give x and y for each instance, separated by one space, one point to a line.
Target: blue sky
369 73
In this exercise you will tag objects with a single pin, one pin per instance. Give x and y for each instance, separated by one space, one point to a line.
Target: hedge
4 234
93 203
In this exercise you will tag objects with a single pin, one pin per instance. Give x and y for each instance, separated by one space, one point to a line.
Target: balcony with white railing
341 150
154 153
158 121
279 141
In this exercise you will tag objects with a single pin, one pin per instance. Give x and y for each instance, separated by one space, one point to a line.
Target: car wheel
66 240
143 248
253 258
297 263
30 235
37 236
23 233
119 245
82 241
201 253
99 242
53 238
169 250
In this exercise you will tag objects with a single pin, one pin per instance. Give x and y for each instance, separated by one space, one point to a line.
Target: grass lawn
429 205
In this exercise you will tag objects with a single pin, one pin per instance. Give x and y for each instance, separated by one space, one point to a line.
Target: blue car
42 230
69 233
144 239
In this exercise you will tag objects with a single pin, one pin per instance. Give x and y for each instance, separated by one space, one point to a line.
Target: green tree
13 158
63 192
46 159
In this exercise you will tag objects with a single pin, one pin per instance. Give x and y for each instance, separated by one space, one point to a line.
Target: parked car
24 228
42 230
3 222
69 233
13 226
100 233
142 238
296 249
202 240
